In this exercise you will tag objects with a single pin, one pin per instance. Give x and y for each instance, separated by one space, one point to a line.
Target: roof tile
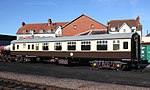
40 26
118 23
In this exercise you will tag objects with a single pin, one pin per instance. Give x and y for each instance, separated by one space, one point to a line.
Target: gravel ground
131 78
67 83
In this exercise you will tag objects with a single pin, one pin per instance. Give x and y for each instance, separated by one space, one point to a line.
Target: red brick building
82 24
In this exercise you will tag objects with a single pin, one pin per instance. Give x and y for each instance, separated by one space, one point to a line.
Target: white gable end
125 28
58 31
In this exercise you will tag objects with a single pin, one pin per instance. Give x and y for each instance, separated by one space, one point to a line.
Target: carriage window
125 45
71 45
116 44
17 46
37 46
101 45
58 46
24 46
32 46
28 46
13 47
86 45
45 46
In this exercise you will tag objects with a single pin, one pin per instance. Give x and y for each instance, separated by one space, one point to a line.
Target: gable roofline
121 20
78 18
57 28
123 25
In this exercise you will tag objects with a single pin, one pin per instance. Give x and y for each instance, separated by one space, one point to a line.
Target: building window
28 47
24 46
85 45
32 46
124 30
24 31
45 46
133 29
113 29
125 45
75 26
41 31
13 47
49 31
58 46
17 46
101 45
71 45
116 44
32 32
37 46
92 25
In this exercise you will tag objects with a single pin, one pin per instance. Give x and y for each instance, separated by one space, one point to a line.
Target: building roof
148 35
76 38
93 32
130 22
80 17
7 37
40 26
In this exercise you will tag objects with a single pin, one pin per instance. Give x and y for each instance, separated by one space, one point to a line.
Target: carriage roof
76 38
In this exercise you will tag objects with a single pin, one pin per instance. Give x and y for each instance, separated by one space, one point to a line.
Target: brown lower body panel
69 54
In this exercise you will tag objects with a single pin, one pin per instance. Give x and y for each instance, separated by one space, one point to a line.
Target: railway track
45 74
9 84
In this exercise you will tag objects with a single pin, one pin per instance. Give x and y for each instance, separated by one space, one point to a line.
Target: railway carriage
104 50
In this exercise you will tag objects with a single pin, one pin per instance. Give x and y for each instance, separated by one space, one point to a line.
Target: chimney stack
23 23
138 20
108 23
49 22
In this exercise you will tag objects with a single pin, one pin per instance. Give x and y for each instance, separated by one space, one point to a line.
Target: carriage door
135 47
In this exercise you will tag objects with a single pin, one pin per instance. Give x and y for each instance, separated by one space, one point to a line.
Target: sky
14 12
